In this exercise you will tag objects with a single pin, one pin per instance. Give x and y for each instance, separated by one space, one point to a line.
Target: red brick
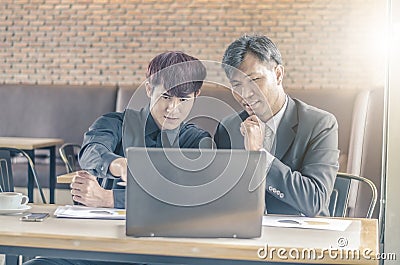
124 35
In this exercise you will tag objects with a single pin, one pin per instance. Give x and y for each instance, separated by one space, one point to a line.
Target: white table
106 240
29 145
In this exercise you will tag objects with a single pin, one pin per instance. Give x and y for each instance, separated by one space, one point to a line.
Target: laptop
195 193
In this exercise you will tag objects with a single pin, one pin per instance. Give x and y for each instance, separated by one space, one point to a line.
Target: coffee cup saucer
21 209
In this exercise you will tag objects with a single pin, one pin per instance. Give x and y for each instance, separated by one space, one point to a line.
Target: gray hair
261 46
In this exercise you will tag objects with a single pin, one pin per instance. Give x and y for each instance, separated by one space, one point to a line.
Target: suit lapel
287 129
237 135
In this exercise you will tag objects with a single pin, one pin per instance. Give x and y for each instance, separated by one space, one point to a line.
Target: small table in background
66 178
29 145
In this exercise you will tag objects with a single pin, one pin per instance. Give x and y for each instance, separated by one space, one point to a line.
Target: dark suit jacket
110 135
301 177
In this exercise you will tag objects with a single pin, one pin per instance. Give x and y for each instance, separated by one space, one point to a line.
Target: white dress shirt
273 124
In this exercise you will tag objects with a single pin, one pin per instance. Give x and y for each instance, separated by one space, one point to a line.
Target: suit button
270 188
102 168
278 192
281 195
274 190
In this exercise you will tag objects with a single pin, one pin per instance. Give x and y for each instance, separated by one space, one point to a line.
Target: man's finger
78 199
83 180
242 130
253 120
76 192
80 180
85 174
77 186
81 190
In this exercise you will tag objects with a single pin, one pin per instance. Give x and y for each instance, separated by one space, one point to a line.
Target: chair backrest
339 201
360 117
69 154
5 157
359 114
6 177
349 107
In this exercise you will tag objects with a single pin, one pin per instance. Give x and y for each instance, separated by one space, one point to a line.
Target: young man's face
258 87
168 111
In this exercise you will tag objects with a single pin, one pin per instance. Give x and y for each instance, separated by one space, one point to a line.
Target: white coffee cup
12 200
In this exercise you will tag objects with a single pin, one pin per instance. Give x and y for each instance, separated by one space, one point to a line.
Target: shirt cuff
107 159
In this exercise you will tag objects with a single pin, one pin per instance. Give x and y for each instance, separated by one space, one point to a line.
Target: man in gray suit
301 141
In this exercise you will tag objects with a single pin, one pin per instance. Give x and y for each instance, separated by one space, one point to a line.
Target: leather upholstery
59 111
359 114
66 111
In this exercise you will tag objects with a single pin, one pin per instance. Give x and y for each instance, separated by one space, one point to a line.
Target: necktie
165 140
268 138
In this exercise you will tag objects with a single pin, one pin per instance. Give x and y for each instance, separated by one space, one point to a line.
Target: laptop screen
195 193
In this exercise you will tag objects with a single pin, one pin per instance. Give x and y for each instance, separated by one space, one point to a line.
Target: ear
280 72
197 93
149 89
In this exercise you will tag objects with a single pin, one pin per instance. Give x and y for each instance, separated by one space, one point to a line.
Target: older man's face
258 87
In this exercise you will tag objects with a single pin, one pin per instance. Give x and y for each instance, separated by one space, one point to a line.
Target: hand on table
87 191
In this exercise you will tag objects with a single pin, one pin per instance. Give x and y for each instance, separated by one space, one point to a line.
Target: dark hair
179 73
261 46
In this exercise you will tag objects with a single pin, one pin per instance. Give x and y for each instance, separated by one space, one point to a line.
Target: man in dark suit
301 141
174 80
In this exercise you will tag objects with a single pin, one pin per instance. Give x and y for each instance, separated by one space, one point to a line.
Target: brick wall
324 43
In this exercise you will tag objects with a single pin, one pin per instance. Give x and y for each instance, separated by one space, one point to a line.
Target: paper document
76 211
306 222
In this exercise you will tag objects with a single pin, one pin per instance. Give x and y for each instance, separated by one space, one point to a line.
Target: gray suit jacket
301 177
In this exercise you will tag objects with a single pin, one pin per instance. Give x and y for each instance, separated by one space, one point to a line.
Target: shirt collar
274 122
151 126
172 135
